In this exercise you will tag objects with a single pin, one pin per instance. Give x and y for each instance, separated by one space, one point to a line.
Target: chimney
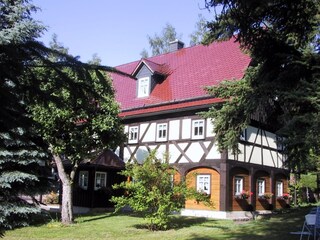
175 45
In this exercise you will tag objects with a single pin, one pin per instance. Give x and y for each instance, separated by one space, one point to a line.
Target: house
159 104
94 180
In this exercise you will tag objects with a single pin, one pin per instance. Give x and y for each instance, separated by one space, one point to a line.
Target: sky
115 30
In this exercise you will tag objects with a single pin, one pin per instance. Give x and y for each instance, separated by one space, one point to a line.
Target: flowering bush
284 196
244 195
52 198
202 197
266 195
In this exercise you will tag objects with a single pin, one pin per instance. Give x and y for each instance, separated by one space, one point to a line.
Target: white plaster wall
251 135
270 140
209 131
174 129
256 155
186 128
268 158
161 151
214 152
174 153
195 152
126 155
151 133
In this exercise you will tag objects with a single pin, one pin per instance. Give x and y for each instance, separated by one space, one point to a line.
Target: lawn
110 226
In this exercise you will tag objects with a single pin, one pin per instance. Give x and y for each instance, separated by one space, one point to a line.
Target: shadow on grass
278 226
177 223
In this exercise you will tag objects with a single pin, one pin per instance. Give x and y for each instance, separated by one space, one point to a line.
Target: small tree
160 44
200 31
152 191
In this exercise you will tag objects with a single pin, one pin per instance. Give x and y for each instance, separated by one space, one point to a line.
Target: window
101 180
83 179
198 129
279 188
238 185
162 132
261 187
133 134
143 87
203 183
243 135
279 141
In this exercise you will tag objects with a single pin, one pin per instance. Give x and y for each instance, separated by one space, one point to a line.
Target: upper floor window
198 129
83 179
101 180
162 131
238 185
133 134
203 183
261 186
279 188
143 87
243 135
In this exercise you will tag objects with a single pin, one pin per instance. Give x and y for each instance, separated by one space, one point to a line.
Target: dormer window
143 87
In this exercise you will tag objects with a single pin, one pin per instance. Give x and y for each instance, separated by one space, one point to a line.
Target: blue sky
115 30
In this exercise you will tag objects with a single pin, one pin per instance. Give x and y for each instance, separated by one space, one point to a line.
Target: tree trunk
67 206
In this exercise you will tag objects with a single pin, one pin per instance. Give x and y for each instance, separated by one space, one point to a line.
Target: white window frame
261 185
204 183
198 129
83 179
238 185
133 134
143 87
100 182
279 188
162 132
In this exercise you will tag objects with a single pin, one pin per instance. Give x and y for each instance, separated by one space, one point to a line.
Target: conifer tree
281 87
21 150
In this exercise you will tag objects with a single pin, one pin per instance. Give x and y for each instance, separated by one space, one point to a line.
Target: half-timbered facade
160 103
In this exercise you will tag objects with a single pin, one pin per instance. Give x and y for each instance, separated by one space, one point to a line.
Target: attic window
143 87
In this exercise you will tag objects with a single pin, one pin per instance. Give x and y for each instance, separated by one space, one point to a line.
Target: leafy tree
77 117
21 150
159 44
50 100
144 53
96 60
199 33
281 87
153 193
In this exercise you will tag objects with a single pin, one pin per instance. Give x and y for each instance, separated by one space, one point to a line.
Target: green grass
110 226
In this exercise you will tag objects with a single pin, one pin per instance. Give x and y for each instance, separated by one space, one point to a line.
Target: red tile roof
187 71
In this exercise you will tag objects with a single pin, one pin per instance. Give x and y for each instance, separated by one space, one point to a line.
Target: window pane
100 180
161 131
203 183
198 129
238 185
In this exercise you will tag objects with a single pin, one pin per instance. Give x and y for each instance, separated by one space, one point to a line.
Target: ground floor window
83 179
203 183
100 180
238 185
261 186
279 188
